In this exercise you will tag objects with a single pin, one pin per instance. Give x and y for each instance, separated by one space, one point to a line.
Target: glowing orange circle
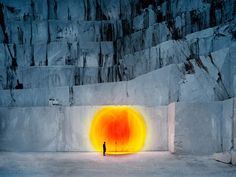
121 127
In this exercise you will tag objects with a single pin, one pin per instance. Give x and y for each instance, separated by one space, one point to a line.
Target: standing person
104 148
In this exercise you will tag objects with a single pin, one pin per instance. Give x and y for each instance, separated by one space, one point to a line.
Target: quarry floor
144 164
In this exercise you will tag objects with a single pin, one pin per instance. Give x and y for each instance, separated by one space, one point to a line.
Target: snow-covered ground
144 164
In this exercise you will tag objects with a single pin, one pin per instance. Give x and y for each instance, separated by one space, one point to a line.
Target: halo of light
121 127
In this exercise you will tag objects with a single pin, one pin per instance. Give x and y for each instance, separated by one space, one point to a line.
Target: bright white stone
223 157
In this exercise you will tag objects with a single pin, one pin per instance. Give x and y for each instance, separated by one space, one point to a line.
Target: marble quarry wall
182 128
173 60
67 128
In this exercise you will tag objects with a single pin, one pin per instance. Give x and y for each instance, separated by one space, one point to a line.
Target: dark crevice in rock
52 9
146 19
109 74
200 64
109 32
194 50
33 9
31 33
212 14
84 59
48 27
99 75
69 60
100 58
195 19
115 58
159 16
3 24
77 76
126 27
99 12
87 9
71 96
68 14
219 79
146 3
13 10
138 8
13 65
160 59
175 32
46 60
211 59
49 34
32 56
189 68
55 8
20 35
119 74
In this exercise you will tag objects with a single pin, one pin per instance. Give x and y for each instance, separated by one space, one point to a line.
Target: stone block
157 128
222 157
161 83
31 129
67 128
66 31
233 156
171 127
24 55
72 12
3 56
34 97
3 78
21 8
101 94
57 53
40 32
46 77
40 54
234 124
197 128
227 124
89 54
20 32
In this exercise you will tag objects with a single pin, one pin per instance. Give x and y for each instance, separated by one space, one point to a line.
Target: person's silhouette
104 148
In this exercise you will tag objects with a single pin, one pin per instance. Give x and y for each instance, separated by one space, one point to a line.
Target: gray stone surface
46 77
139 91
116 94
157 127
161 52
149 164
171 127
234 124
196 128
59 128
227 124
233 156
232 53
34 97
223 157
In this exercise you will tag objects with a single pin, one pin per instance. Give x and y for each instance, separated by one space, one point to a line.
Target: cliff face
57 43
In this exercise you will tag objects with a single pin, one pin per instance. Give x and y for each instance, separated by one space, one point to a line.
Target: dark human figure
104 149
19 85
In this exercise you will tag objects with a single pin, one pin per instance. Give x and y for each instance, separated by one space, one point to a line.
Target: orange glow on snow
121 127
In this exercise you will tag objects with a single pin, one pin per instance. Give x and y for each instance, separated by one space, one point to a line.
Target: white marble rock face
67 128
197 128
174 60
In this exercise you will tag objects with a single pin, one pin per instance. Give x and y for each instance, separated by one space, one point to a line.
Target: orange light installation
121 127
